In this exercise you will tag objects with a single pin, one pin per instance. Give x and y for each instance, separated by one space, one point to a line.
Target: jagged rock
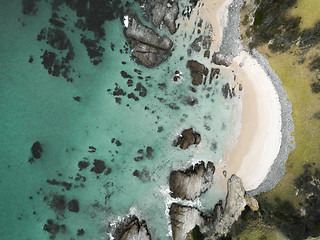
36 150
164 11
219 59
196 44
171 16
187 138
146 45
236 201
213 73
131 228
189 184
206 54
226 91
198 70
183 220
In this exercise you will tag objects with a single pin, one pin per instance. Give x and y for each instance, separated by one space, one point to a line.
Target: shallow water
36 106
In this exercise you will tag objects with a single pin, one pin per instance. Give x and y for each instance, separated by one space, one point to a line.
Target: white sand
260 138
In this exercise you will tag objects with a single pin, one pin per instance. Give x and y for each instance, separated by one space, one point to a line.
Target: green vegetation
293 51
308 10
195 234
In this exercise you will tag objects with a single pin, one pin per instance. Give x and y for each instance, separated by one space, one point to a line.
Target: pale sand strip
260 138
255 158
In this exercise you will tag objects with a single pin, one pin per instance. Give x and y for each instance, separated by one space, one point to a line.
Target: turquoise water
36 106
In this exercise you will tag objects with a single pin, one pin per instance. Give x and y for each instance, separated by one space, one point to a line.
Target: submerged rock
73 206
36 150
197 71
187 138
146 45
131 228
191 183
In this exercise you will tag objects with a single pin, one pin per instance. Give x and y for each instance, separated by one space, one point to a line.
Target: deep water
76 118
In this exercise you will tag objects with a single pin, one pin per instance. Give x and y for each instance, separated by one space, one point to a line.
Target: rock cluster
131 228
197 71
187 138
191 183
219 222
167 12
236 201
146 45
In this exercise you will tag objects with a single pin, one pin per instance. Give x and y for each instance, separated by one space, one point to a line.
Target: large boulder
183 220
164 11
219 59
187 137
131 228
146 45
191 183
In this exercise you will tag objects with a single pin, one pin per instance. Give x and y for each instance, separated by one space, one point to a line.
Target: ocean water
36 106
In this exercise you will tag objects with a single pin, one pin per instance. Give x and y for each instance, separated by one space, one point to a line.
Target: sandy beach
259 142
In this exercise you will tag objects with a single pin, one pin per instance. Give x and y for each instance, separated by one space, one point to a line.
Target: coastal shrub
297 224
315 64
196 234
317 115
315 86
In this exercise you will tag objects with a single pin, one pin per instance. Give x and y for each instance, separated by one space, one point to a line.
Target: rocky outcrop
146 45
220 59
189 184
187 138
236 201
131 228
165 11
183 220
197 71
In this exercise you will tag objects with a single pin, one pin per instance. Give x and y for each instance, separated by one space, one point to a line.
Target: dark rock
207 54
58 203
187 138
94 50
56 22
141 89
149 152
118 143
73 206
131 228
146 45
29 7
80 232
160 129
52 228
77 98
171 15
30 59
219 59
124 74
99 166
226 91
196 44
213 73
143 175
191 183
173 106
83 165
198 70
36 150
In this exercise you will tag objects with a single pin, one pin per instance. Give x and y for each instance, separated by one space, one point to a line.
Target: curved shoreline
231 47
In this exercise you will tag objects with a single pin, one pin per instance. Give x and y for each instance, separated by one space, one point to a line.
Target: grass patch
308 10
